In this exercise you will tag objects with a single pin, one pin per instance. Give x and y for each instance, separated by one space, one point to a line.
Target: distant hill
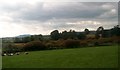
25 35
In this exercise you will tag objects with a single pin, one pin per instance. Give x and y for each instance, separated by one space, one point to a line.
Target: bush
116 39
10 48
104 41
34 45
83 43
55 44
71 43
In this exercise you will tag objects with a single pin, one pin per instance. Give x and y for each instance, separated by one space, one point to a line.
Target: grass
91 57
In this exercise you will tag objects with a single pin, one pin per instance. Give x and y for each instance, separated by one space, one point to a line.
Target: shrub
116 39
49 45
71 43
34 45
83 43
10 48
54 44
104 41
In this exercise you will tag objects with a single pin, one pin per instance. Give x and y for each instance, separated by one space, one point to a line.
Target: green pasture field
90 57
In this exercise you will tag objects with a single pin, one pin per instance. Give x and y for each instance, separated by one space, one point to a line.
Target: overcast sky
34 17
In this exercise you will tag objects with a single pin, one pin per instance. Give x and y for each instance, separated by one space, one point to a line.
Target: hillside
91 57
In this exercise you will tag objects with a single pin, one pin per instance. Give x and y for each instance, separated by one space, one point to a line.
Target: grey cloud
66 11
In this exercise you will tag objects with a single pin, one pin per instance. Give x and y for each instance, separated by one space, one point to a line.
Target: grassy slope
91 57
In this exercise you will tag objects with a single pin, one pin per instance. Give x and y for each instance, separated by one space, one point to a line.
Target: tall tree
99 32
64 35
81 36
86 31
72 34
55 35
115 31
69 35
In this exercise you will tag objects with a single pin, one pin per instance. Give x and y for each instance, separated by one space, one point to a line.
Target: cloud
47 11
36 17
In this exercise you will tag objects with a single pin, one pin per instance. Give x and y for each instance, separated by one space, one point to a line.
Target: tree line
72 34
65 39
